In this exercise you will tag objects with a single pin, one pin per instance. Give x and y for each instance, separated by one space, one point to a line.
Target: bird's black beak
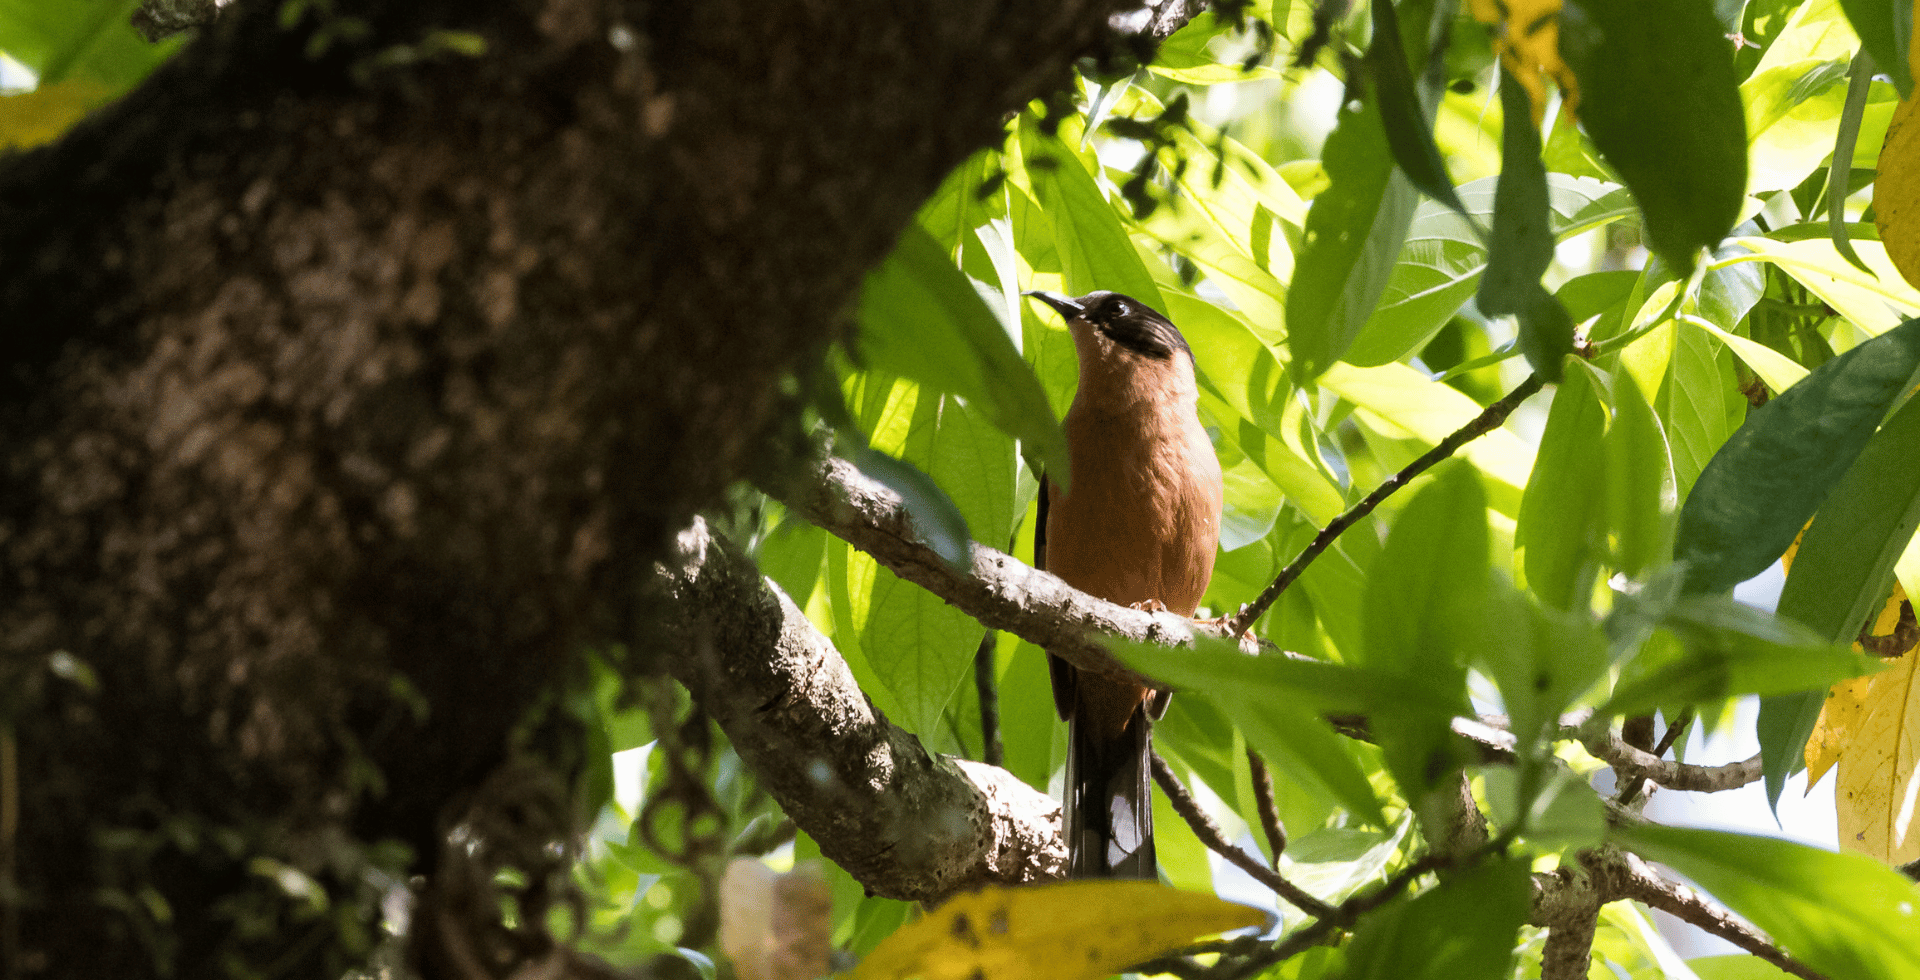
1067 308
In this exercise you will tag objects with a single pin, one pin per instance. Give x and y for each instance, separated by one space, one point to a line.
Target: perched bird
1138 526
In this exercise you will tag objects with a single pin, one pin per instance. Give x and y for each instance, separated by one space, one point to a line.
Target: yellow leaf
1839 726
40 116
1896 192
1527 38
1870 727
1079 930
1844 714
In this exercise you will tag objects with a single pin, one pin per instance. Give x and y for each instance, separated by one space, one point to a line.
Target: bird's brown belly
1140 523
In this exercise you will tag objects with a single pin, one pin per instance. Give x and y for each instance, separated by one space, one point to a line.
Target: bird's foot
1149 605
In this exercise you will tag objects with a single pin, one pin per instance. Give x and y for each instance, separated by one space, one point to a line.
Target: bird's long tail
1109 802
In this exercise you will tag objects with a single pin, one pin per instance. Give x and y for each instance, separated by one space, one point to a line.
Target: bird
1138 525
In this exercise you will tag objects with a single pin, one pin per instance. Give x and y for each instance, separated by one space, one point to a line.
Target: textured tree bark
351 389
905 823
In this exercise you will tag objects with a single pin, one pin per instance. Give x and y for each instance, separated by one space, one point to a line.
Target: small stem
1269 810
1482 424
991 751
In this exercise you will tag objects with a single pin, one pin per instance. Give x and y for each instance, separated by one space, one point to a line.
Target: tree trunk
353 386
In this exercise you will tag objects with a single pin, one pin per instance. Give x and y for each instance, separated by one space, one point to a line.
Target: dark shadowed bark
348 392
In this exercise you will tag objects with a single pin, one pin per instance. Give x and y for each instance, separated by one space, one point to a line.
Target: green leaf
91 39
1874 304
1253 504
1730 288
1095 250
920 318
1885 26
1541 659
1421 617
1027 719
1467 926
1845 562
1724 649
1182 856
1409 399
1423 590
1409 124
1735 966
1521 246
1660 97
1231 218
1840 171
1444 258
1843 569
1763 485
1691 399
1334 863
1845 915
1793 117
1553 808
1231 360
1214 665
920 647
1354 231
1336 586
1279 703
1184 57
793 554
1640 486
1561 527
1595 293
1197 734
1301 744
976 465
1546 333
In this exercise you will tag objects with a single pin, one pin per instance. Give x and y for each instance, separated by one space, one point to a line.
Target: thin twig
1344 917
1182 964
1482 424
1209 833
1317 934
1269 810
991 751
1673 732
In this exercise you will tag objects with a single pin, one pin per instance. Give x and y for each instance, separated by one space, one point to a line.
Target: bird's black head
1126 321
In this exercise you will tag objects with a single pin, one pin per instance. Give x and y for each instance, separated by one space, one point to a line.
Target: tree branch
1566 902
1639 881
906 823
999 590
1633 763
